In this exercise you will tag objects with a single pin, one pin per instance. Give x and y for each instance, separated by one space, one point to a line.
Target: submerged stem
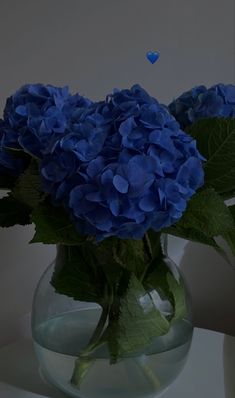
147 372
85 361
100 326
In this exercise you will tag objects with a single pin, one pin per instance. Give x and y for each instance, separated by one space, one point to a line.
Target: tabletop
201 377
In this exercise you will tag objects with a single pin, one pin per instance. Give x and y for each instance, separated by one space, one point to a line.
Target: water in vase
59 341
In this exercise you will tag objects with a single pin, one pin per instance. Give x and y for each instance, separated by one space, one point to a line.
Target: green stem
147 372
100 326
85 361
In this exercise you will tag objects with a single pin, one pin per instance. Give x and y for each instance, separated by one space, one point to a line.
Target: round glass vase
62 327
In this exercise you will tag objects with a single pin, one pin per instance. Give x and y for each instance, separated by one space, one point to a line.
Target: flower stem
147 372
85 361
100 326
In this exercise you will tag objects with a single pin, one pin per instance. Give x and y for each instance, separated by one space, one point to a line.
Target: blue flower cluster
123 167
10 162
200 102
34 117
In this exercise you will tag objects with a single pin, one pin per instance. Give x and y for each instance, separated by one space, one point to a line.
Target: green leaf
206 217
170 286
207 213
28 187
75 274
216 142
156 278
194 235
13 212
53 226
137 324
191 234
131 255
104 253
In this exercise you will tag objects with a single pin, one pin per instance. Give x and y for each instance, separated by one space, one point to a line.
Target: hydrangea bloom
37 114
124 167
200 102
9 162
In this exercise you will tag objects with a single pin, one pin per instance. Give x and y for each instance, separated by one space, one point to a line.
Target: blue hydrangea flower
63 166
124 167
39 114
10 161
200 102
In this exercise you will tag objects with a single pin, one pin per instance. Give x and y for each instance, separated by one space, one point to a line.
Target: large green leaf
137 324
216 141
205 218
194 235
136 255
207 213
168 286
107 261
28 188
87 272
156 278
53 226
191 234
13 212
131 254
76 276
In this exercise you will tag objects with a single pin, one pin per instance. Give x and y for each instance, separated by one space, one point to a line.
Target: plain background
94 46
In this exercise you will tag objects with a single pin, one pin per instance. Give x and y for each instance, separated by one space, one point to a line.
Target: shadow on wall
211 282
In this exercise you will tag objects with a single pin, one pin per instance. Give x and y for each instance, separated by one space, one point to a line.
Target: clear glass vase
62 327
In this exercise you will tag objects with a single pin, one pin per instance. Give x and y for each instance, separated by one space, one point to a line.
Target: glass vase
62 327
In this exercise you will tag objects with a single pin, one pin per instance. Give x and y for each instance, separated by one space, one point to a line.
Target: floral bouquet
104 180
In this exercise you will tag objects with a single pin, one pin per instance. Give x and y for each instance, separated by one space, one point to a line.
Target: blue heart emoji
152 56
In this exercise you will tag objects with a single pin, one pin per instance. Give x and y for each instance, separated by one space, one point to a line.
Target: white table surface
202 376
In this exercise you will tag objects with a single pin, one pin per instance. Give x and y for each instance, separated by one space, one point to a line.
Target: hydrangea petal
120 183
115 207
148 203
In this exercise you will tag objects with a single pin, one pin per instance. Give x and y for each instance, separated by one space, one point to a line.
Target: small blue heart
152 56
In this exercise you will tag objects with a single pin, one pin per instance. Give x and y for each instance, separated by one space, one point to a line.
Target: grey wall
93 46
